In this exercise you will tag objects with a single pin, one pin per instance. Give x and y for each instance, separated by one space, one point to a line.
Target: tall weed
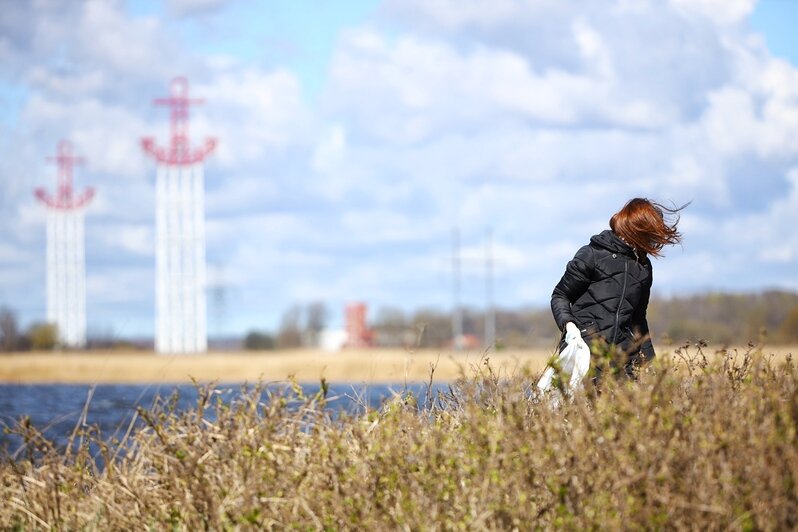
697 442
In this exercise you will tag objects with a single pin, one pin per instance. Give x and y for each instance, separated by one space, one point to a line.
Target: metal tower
180 309
66 257
490 309
457 308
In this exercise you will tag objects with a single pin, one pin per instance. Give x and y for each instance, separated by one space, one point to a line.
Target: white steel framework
66 256
66 275
180 278
180 259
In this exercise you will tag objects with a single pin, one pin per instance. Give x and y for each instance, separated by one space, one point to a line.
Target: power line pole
218 289
180 276
66 255
490 312
457 311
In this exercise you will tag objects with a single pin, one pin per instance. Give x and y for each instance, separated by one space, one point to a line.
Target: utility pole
181 317
457 310
66 256
490 312
218 291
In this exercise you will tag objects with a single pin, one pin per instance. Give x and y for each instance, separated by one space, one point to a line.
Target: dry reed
695 444
373 365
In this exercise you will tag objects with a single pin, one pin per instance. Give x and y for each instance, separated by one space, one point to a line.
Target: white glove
572 333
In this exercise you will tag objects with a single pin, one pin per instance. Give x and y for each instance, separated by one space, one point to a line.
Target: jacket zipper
620 303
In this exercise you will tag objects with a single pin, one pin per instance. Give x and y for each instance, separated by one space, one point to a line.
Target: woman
603 296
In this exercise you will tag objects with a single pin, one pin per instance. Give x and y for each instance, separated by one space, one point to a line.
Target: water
57 408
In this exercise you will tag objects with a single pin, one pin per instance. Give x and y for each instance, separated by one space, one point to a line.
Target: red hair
644 225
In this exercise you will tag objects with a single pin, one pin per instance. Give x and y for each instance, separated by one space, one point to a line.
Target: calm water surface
56 408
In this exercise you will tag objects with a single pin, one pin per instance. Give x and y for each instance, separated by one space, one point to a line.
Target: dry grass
708 443
368 365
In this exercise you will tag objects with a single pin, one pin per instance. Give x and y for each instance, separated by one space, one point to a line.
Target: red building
357 332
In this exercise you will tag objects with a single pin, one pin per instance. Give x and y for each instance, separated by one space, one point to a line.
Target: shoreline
370 366
373 366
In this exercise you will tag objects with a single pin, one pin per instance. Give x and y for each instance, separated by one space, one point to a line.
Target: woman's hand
572 332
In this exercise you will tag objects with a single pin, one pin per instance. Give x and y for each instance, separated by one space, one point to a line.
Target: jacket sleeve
574 283
639 320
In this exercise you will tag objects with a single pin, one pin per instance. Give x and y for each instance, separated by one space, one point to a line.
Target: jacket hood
610 241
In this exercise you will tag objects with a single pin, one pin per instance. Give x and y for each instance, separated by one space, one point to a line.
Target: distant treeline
718 318
727 318
39 336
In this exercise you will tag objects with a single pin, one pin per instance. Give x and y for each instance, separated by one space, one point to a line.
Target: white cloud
105 135
758 114
253 114
719 11
537 119
772 233
451 15
456 14
126 238
14 255
194 7
242 193
119 287
421 88
593 48
330 151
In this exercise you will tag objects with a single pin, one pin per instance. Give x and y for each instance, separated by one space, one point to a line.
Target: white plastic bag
574 363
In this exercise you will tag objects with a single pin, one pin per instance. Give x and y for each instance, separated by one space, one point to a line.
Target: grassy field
367 365
705 443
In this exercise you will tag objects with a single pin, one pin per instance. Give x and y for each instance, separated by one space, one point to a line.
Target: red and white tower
66 256
180 315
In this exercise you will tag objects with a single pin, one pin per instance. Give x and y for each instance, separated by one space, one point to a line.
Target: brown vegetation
355 365
718 318
699 444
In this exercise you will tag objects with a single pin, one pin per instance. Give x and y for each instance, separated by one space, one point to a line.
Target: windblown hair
647 225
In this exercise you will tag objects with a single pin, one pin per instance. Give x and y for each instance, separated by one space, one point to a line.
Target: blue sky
354 136
775 19
299 35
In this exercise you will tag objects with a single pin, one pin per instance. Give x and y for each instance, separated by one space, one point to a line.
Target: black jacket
605 292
